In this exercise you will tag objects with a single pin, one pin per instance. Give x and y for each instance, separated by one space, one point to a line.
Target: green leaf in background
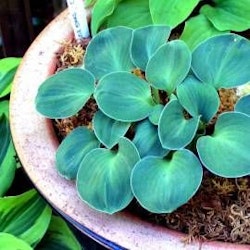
198 29
4 108
109 51
58 237
8 67
171 13
107 130
10 242
199 99
5 136
243 105
222 61
146 41
162 185
124 97
228 14
175 130
65 93
73 149
26 216
168 67
147 141
7 152
130 13
101 10
89 3
109 173
7 169
230 143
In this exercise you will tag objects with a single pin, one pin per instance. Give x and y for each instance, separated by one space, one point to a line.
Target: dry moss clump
220 210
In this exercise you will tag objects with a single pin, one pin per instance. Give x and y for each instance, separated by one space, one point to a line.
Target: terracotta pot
36 144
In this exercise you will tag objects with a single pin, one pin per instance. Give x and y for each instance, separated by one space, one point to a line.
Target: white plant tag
78 17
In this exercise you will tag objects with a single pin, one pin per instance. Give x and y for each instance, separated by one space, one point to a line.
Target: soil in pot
220 209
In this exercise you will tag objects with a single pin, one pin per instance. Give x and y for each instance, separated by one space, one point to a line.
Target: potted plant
171 106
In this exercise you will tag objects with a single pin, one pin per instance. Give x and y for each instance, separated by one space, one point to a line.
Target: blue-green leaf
65 93
26 216
198 98
226 151
10 242
59 236
147 140
124 97
163 185
146 41
243 105
198 29
171 13
228 14
107 130
139 14
175 130
109 51
8 67
155 114
73 149
223 61
103 179
168 67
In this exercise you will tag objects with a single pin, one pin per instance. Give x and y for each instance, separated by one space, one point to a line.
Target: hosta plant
202 18
160 118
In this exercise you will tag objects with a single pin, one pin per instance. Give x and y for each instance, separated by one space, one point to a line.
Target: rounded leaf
168 67
65 93
226 151
154 117
175 130
147 140
73 149
124 97
243 105
146 41
222 61
107 130
167 183
199 99
103 179
109 51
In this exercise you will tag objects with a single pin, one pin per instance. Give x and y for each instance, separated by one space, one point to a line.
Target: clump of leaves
203 19
8 67
152 133
26 222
